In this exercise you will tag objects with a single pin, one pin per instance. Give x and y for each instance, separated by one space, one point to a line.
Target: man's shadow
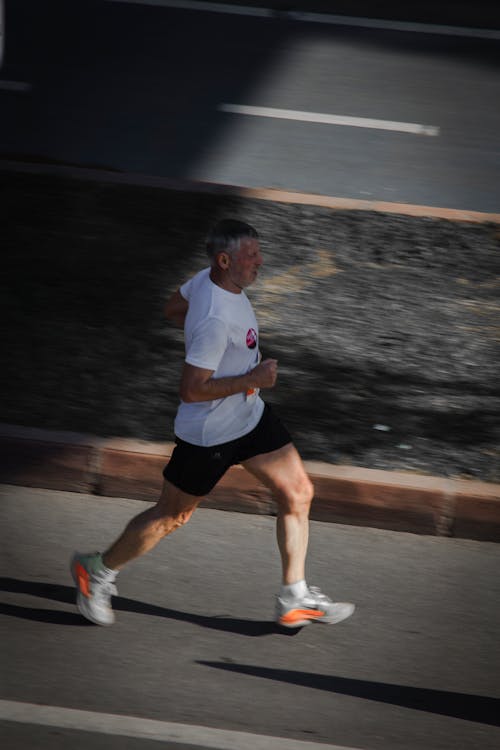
478 708
67 595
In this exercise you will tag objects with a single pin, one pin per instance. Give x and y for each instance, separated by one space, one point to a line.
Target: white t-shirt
221 334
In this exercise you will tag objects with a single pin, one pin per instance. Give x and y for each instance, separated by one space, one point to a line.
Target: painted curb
273 195
119 467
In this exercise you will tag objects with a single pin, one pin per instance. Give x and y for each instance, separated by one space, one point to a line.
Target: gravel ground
386 327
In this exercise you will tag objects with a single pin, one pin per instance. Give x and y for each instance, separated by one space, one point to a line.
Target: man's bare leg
173 509
283 472
297 604
94 575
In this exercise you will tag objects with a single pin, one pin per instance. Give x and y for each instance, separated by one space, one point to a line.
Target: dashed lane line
323 118
149 729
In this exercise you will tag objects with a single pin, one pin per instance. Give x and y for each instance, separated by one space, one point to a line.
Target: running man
221 421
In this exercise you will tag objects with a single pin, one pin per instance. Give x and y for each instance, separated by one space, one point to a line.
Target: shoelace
318 595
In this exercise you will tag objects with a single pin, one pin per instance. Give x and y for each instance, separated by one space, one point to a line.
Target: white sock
294 590
107 573
110 574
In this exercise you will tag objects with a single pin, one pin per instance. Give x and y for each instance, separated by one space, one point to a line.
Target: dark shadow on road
66 594
51 616
482 709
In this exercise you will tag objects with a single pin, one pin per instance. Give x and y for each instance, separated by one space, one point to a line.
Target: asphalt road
140 88
416 667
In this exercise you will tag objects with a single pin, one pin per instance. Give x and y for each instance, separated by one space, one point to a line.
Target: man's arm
199 385
176 308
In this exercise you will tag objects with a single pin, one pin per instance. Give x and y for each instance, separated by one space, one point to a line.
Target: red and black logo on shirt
251 338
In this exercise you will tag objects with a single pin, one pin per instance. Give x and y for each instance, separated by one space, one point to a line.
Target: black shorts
196 469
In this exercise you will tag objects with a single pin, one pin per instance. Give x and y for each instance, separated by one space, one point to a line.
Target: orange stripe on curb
355 204
266 194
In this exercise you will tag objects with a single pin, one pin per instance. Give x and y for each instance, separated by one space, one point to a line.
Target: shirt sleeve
185 290
208 343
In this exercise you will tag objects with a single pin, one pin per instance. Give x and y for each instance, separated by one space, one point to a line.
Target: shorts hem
196 470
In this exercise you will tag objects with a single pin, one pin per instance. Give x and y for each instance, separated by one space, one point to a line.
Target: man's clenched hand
265 374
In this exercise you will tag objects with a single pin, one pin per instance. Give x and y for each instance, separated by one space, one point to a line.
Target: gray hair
226 235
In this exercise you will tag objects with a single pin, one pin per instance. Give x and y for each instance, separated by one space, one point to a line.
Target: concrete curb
273 195
116 467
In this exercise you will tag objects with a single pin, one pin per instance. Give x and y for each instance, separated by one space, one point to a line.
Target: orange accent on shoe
296 615
250 391
83 579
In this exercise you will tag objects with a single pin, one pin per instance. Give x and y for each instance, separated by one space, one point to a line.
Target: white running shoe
95 588
313 607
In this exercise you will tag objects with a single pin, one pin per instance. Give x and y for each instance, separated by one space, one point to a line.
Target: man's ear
223 261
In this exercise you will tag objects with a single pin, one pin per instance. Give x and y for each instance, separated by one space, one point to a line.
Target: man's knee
296 496
174 508
183 517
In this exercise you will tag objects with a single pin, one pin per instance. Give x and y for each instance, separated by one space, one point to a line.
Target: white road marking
325 18
15 86
150 729
326 119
